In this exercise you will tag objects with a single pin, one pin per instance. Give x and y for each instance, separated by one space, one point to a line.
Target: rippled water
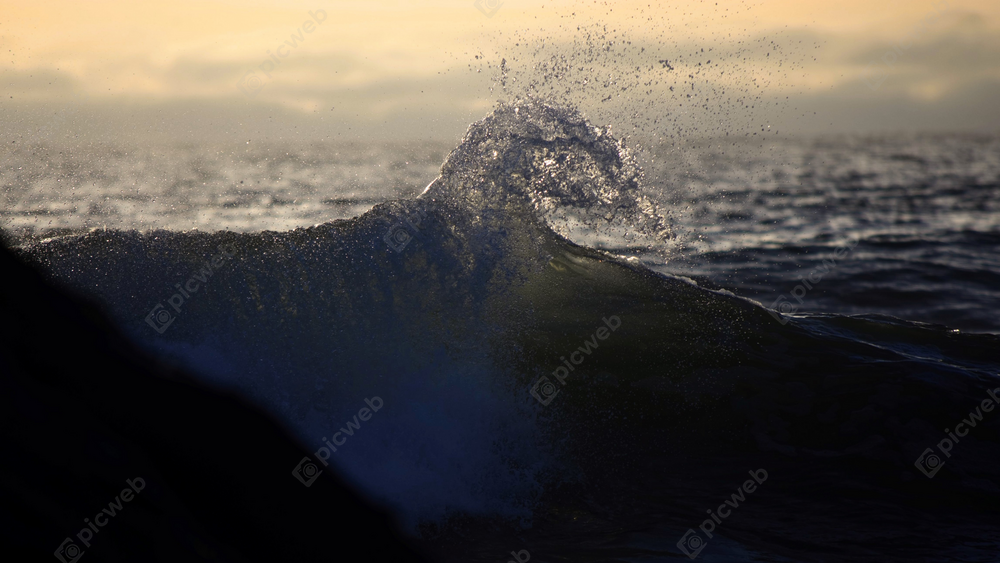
750 217
925 208
463 308
50 190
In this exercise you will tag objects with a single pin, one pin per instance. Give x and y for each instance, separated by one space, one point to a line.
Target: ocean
585 348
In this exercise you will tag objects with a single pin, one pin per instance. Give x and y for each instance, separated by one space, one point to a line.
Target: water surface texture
732 351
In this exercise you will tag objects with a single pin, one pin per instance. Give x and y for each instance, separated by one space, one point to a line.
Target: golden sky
378 60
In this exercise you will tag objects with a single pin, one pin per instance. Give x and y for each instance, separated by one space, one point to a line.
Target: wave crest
528 153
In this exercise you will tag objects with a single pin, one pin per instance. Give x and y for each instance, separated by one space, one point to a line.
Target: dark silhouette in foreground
110 454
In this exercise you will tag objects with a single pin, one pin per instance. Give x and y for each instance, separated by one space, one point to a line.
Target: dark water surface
553 380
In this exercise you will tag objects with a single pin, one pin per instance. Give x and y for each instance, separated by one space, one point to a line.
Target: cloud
38 84
955 53
797 80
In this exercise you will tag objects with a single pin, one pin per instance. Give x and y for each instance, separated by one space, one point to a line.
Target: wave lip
531 155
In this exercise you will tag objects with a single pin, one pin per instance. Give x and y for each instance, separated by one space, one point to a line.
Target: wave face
533 382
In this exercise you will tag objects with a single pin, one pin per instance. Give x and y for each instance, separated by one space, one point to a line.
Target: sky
345 70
